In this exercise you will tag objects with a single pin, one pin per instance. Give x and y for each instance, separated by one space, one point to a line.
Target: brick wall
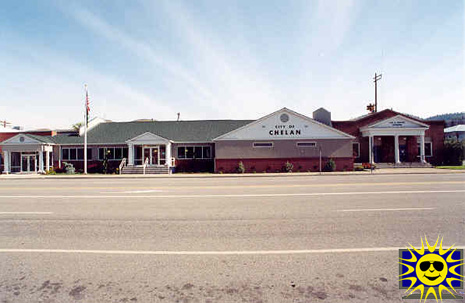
277 165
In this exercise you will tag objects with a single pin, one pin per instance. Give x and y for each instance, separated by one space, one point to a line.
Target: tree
77 126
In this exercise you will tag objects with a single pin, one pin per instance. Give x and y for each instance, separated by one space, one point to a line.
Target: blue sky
227 59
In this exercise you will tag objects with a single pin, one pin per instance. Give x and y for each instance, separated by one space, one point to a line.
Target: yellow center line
236 186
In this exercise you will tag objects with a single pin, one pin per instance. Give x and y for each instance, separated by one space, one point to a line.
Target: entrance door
403 153
153 154
28 163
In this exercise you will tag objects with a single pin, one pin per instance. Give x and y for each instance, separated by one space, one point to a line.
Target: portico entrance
394 140
29 163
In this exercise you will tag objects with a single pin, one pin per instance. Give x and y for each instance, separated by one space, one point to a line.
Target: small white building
455 132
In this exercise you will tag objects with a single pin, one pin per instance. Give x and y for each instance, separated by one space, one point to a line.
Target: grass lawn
451 167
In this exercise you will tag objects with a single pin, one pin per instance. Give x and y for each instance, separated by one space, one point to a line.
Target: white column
422 149
6 162
396 149
47 160
370 150
130 154
41 162
168 154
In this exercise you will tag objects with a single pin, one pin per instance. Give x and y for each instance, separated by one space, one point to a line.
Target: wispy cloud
238 82
139 48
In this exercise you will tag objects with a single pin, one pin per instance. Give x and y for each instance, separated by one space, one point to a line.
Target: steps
149 170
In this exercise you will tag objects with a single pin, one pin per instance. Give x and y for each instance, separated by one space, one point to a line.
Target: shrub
453 152
330 165
51 171
288 167
69 168
359 168
241 168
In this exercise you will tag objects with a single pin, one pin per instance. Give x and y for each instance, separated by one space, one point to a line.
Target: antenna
179 115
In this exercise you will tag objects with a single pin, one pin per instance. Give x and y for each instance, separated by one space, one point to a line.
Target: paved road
278 239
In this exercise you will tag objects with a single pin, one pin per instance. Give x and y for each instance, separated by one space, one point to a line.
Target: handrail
122 164
146 162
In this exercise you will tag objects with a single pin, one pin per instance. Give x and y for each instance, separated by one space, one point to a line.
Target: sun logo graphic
431 272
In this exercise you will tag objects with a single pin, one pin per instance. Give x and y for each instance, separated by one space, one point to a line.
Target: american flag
87 106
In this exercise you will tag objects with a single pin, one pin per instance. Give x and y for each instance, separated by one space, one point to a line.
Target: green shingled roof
177 131
43 139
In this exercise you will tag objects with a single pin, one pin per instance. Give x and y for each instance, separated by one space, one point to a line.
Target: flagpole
85 130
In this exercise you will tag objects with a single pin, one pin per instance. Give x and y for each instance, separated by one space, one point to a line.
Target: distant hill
451 118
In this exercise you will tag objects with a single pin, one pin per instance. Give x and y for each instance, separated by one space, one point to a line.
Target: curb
259 175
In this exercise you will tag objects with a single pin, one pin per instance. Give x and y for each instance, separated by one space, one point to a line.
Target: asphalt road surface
253 239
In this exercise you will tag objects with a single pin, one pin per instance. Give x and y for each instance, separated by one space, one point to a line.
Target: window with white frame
428 149
112 153
356 149
74 153
263 144
194 152
306 144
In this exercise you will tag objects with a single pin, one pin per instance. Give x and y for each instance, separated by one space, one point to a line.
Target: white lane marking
241 195
200 253
386 209
134 191
238 252
25 213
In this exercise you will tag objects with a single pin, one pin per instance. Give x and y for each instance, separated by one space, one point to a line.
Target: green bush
241 168
330 165
453 152
288 167
51 171
359 168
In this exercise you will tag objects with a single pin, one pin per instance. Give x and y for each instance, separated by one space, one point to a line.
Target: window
75 153
194 152
356 149
189 152
181 152
207 153
118 153
263 144
81 154
65 153
198 152
306 144
428 149
72 154
113 153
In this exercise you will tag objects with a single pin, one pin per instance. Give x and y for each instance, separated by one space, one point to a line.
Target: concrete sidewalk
383 171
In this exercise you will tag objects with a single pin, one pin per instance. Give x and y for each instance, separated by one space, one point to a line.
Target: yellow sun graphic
432 271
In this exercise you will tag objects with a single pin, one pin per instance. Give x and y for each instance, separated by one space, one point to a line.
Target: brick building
395 138
263 145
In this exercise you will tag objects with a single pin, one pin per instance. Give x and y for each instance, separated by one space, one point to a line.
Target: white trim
156 137
431 149
286 110
36 142
394 118
264 146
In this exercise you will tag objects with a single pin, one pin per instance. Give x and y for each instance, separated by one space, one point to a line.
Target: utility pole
376 79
